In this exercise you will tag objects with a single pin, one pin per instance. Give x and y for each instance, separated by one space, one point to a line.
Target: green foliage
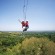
27 43
9 40
37 46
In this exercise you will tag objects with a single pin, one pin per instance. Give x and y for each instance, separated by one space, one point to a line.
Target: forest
27 43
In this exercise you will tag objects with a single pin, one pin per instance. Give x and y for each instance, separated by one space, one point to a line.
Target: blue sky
40 14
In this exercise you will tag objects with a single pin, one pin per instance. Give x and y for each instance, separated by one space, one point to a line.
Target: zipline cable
25 9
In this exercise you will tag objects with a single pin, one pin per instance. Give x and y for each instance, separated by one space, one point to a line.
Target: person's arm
19 21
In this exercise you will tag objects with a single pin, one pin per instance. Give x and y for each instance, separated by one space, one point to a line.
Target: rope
25 9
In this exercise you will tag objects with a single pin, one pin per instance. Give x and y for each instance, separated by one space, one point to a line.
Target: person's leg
25 29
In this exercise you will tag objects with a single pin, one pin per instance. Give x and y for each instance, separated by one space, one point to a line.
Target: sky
40 14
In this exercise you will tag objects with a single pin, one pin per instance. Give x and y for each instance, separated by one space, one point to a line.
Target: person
25 25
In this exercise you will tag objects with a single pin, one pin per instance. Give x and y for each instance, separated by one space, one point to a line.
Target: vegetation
27 43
